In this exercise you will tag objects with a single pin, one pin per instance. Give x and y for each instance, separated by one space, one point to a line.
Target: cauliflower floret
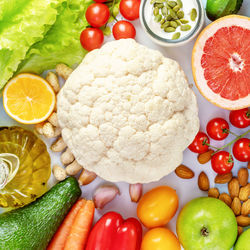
127 113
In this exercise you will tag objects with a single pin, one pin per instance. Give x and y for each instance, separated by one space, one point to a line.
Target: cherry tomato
91 38
158 206
215 129
240 118
97 14
130 9
198 146
222 162
161 239
241 149
123 29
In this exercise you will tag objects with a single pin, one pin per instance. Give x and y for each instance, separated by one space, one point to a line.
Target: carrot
81 226
59 239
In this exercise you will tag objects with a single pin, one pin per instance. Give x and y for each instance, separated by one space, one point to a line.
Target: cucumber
33 226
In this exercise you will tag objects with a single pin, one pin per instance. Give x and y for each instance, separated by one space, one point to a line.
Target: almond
203 182
243 221
205 157
244 192
245 208
234 187
243 176
248 165
240 230
236 206
226 198
184 172
223 178
213 192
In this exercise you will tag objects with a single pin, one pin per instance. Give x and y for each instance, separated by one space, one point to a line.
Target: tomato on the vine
130 9
91 38
217 129
241 149
222 162
199 144
123 29
240 118
97 14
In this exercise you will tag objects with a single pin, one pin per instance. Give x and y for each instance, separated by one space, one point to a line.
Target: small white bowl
169 42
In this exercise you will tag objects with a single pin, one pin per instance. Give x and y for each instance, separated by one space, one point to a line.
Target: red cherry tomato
222 162
130 9
241 149
91 38
215 129
97 14
123 29
198 145
240 118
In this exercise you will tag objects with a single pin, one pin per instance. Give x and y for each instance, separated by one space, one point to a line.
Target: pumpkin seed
176 8
165 25
169 17
193 14
178 22
173 24
179 2
156 11
185 27
184 21
159 5
169 29
162 21
176 36
180 14
158 18
172 4
164 11
173 14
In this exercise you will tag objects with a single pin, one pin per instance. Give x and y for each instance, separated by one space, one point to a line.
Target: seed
159 5
164 11
180 14
178 22
165 25
172 4
173 24
156 11
169 17
176 36
176 8
173 14
184 21
169 29
158 18
185 27
193 14
162 21
179 2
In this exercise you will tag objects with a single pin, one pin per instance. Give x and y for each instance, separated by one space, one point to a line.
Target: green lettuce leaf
22 23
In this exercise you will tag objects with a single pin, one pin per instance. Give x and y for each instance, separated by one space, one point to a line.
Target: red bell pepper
111 232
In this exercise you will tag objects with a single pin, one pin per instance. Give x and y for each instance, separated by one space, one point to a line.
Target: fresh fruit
206 223
219 8
28 99
160 239
241 150
97 14
199 143
217 129
91 38
33 226
130 9
123 29
220 62
184 172
222 162
157 207
240 118
243 241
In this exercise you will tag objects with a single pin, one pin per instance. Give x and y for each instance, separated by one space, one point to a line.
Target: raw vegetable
33 226
217 129
241 150
123 30
199 143
112 232
130 9
91 38
240 118
222 162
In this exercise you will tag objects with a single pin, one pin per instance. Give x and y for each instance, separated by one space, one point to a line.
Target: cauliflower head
127 113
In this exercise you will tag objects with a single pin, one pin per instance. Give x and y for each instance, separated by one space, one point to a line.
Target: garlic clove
135 191
105 194
86 177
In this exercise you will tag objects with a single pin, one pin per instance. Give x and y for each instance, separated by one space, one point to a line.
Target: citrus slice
221 62
28 99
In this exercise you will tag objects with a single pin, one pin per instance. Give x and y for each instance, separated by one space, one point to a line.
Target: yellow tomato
157 207
160 239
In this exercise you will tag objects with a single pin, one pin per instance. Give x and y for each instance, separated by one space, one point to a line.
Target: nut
203 182
57 131
184 172
48 130
236 206
244 192
248 165
67 157
243 221
245 208
86 177
73 168
59 145
223 178
39 128
59 172
240 230
53 119
243 176
213 192
225 198
52 79
63 70
205 157
234 187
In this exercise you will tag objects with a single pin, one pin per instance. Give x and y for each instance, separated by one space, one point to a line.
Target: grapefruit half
221 62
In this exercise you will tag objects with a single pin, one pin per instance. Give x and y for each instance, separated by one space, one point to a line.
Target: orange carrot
81 226
60 237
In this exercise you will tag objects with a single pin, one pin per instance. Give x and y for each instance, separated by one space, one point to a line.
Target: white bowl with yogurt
159 36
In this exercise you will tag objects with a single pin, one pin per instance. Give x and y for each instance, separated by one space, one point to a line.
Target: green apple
206 224
243 243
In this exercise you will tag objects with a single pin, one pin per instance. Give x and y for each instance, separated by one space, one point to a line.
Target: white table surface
186 189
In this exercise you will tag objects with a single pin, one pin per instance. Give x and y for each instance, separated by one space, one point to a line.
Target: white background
186 189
